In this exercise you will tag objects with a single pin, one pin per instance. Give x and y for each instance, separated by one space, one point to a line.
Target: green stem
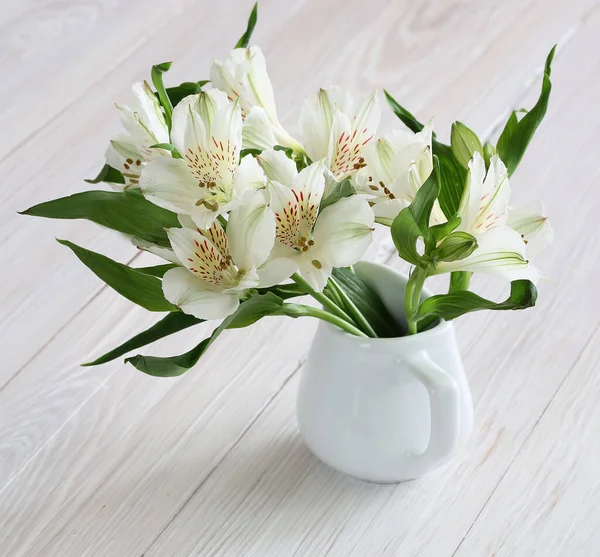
321 298
351 308
299 310
459 280
412 297
332 294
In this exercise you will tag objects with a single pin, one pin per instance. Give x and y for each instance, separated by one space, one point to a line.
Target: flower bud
488 152
464 143
457 245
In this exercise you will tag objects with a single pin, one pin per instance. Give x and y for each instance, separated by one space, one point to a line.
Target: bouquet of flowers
249 218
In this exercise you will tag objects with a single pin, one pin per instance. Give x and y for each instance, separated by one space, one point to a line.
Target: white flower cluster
253 221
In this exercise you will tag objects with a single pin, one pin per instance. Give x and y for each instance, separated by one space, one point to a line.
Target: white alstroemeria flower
336 128
484 212
219 265
145 124
243 75
315 241
209 180
397 165
534 228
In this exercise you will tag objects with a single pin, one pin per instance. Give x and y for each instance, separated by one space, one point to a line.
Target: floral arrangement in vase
248 219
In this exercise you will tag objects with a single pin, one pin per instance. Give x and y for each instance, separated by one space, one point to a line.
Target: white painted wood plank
546 505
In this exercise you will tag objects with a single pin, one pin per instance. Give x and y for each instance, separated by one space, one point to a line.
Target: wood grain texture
108 462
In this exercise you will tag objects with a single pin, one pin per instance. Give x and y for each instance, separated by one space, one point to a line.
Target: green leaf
177 94
440 231
157 270
172 323
523 294
245 38
253 152
407 118
109 175
367 301
142 289
167 147
452 178
157 79
516 135
413 221
285 291
456 246
465 143
250 311
127 212
338 191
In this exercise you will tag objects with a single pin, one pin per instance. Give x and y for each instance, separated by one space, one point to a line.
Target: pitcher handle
444 403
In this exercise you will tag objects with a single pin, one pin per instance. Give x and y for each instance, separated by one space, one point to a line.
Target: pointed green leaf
157 270
369 303
109 175
246 152
440 231
250 311
453 177
127 212
338 191
407 118
245 38
172 323
523 294
157 79
178 93
168 147
142 289
413 221
517 134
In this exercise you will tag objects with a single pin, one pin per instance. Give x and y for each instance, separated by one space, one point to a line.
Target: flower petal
244 75
165 253
387 210
123 155
314 271
205 254
150 113
195 297
251 233
275 271
168 183
257 131
278 167
529 221
493 205
343 232
248 176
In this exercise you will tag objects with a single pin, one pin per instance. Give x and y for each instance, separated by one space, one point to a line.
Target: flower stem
321 298
412 297
300 310
354 312
459 280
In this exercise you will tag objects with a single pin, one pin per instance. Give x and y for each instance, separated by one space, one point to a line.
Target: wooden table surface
109 462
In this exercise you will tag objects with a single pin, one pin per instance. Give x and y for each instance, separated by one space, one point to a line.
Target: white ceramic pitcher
384 410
